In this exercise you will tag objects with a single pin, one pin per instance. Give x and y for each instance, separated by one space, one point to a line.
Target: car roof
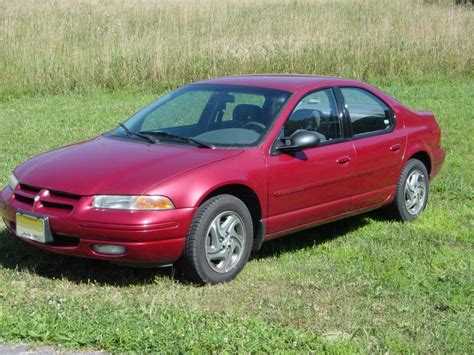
286 82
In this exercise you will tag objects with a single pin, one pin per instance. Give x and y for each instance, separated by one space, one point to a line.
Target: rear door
379 144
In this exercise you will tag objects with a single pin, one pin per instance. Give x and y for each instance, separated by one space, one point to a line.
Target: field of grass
70 70
363 284
56 46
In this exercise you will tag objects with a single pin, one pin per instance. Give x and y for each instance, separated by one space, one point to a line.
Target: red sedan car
207 173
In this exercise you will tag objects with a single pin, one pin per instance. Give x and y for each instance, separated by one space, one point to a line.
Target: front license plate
31 227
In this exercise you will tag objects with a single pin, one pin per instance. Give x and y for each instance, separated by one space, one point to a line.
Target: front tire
219 241
412 191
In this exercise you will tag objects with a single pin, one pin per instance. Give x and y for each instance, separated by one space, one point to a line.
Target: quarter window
367 113
316 112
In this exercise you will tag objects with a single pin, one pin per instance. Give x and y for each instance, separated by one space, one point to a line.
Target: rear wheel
412 191
219 241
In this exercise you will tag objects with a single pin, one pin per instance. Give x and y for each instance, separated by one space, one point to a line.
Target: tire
219 241
412 192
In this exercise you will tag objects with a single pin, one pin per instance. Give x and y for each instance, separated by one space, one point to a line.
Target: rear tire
219 241
412 192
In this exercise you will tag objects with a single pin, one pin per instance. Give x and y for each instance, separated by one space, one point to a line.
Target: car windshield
207 116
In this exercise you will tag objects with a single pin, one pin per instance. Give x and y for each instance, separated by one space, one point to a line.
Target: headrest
307 114
247 113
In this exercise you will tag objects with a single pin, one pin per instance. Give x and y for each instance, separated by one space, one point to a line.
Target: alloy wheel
225 242
415 192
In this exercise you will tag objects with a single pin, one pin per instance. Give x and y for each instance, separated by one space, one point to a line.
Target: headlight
133 202
12 182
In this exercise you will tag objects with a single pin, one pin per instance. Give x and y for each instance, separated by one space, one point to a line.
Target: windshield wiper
141 135
179 138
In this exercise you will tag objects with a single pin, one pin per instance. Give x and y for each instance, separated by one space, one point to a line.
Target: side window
367 113
316 112
176 113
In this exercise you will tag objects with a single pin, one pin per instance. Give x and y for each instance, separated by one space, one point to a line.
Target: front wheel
219 241
412 191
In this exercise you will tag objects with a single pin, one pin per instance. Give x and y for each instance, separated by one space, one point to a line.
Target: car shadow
316 235
16 255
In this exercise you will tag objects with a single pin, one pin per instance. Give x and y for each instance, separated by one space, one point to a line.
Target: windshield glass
207 115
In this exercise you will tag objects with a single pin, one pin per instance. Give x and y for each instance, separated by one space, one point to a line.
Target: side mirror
299 140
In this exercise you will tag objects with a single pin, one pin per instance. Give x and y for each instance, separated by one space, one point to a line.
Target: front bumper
148 236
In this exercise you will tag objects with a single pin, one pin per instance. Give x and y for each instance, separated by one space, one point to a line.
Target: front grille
64 195
24 199
57 202
59 206
29 188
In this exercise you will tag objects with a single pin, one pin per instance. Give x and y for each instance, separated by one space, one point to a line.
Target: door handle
343 160
395 147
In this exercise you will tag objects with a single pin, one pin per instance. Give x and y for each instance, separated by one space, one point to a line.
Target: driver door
316 183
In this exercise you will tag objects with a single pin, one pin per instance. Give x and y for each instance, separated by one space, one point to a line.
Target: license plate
31 227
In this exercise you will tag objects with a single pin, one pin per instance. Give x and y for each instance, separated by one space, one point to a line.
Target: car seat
245 113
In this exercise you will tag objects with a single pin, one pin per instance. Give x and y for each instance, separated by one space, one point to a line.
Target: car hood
114 166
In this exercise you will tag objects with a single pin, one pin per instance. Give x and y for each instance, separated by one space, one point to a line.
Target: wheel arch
424 157
250 198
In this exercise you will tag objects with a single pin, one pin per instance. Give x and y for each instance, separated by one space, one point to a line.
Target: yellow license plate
31 227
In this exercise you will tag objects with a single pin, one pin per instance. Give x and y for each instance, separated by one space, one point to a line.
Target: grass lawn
53 47
361 284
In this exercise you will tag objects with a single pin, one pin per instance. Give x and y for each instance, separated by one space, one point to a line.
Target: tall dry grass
54 46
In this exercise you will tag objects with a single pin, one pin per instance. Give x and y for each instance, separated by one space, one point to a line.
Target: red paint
314 186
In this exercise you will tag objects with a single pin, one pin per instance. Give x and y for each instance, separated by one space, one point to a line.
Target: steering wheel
255 126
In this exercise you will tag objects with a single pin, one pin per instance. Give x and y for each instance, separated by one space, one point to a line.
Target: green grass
53 46
362 284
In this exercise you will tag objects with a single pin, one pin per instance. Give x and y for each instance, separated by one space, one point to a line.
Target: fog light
108 249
